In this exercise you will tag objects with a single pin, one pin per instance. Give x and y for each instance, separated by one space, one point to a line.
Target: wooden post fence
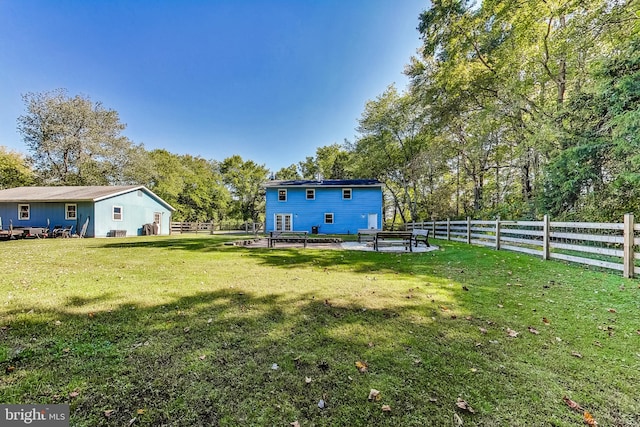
603 245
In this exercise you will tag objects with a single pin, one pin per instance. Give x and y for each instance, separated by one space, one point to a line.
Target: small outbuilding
324 206
128 210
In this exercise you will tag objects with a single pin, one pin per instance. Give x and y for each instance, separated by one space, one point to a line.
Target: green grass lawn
187 331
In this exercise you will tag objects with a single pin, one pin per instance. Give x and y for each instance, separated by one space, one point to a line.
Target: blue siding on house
40 212
138 208
349 215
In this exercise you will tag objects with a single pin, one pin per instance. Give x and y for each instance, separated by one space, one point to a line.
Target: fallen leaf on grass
321 404
295 424
588 419
443 308
91 315
140 411
612 310
512 333
533 330
204 356
307 380
386 408
483 330
187 329
462 404
374 395
576 354
545 321
109 413
74 394
459 421
362 367
573 405
500 306
433 399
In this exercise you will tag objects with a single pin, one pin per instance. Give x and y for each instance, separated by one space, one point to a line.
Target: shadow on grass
358 261
231 358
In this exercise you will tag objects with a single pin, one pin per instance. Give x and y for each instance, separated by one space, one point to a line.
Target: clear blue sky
270 80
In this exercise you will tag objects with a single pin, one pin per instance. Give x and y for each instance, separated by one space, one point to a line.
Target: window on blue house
70 211
346 193
311 194
282 195
24 212
328 218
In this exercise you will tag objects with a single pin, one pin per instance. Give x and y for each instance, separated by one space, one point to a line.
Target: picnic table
287 237
393 238
421 236
367 234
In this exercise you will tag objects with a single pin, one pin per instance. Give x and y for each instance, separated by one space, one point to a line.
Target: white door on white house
373 221
284 222
157 218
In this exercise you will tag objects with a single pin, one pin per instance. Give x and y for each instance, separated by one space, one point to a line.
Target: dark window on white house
117 213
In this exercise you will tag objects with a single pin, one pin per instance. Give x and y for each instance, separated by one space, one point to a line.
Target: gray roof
326 183
93 193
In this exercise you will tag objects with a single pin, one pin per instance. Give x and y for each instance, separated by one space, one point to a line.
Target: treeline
514 108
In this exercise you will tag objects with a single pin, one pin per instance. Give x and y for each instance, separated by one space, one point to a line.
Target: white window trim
285 194
313 192
350 190
333 218
113 213
20 205
66 211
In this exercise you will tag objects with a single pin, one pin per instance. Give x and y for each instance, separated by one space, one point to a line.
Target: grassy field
187 331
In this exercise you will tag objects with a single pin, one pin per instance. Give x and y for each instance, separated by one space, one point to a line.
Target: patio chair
83 231
62 232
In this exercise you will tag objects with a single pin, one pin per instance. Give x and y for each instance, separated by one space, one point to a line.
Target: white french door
284 222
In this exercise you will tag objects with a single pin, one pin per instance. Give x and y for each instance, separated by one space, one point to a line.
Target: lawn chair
59 231
83 231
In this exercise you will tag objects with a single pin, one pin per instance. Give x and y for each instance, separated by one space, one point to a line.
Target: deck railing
607 245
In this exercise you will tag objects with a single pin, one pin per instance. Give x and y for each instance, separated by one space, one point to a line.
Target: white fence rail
607 245
210 227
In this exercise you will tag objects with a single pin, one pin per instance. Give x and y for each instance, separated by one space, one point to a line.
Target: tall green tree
289 173
245 180
14 169
190 184
75 141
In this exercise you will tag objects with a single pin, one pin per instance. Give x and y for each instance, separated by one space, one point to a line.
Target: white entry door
373 221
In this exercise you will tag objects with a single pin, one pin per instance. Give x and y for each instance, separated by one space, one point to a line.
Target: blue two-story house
326 206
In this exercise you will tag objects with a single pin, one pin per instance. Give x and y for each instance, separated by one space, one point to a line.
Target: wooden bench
287 237
367 234
421 236
393 238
